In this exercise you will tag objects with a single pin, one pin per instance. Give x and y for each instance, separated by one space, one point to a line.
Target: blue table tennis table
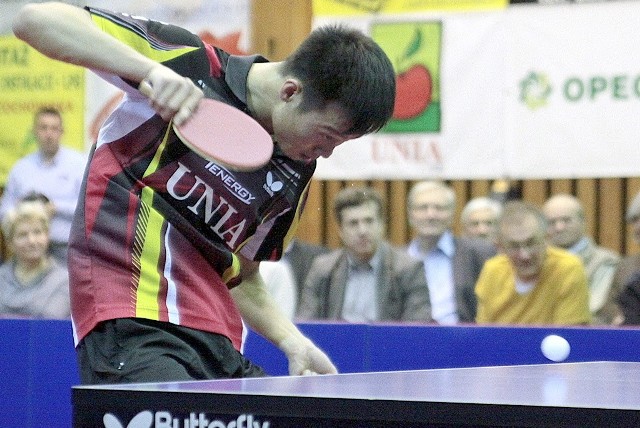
583 394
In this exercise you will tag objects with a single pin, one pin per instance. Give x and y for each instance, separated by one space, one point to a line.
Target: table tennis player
165 245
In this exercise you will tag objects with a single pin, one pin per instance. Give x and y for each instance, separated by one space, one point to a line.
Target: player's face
30 241
361 230
565 225
525 246
308 135
48 131
431 212
481 224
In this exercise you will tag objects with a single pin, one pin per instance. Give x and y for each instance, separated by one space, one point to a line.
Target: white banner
524 92
574 91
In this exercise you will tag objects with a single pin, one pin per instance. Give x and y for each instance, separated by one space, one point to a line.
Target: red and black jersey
158 228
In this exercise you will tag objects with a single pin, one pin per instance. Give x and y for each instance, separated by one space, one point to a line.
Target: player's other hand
172 96
305 358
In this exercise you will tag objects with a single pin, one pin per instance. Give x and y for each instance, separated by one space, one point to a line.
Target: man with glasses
531 282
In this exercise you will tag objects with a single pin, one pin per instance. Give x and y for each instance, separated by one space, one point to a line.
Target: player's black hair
340 64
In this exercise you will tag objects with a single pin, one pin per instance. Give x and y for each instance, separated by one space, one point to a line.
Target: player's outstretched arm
67 33
264 316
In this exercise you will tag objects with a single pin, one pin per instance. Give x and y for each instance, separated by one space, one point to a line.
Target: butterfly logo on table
141 420
145 419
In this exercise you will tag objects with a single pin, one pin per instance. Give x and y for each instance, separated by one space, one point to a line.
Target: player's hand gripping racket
224 134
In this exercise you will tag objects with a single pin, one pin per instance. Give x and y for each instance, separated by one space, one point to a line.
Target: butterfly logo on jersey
272 185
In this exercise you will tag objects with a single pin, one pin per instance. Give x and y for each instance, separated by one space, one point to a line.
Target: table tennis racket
225 135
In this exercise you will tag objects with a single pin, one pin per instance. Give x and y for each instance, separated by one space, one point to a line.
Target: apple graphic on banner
413 92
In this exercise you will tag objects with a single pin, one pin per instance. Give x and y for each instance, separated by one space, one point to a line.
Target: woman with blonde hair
32 283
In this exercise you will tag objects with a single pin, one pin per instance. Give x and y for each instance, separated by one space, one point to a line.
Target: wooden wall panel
278 26
332 239
609 206
535 191
398 227
312 223
586 191
561 186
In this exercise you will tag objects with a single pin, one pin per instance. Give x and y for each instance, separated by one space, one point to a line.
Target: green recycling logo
535 90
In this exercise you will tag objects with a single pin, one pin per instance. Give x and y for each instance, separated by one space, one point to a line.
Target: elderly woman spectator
32 283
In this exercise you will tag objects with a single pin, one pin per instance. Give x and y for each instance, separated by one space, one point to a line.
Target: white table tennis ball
556 348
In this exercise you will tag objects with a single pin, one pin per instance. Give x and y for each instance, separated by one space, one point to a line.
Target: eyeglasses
531 244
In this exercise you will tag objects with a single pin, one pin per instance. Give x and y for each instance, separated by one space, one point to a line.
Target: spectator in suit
531 282
54 171
367 280
479 218
625 278
567 229
32 283
452 264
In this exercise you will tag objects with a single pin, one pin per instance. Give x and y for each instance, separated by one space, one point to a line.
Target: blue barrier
38 365
366 348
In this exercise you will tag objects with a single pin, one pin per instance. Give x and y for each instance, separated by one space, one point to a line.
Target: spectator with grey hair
33 284
452 264
479 218
626 278
567 229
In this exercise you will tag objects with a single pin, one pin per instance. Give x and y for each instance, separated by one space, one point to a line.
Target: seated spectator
368 279
629 266
567 229
55 171
32 283
531 282
479 218
452 264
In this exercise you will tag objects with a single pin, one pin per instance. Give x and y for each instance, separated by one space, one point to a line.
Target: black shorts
131 350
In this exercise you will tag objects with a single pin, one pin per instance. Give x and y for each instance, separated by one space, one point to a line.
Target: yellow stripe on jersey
149 242
140 44
153 165
232 271
148 247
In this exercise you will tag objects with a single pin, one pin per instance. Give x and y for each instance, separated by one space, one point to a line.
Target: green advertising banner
29 81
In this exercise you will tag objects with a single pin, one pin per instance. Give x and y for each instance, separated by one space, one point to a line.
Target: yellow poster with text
359 7
28 82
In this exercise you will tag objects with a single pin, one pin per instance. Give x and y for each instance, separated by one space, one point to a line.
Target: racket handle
145 88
